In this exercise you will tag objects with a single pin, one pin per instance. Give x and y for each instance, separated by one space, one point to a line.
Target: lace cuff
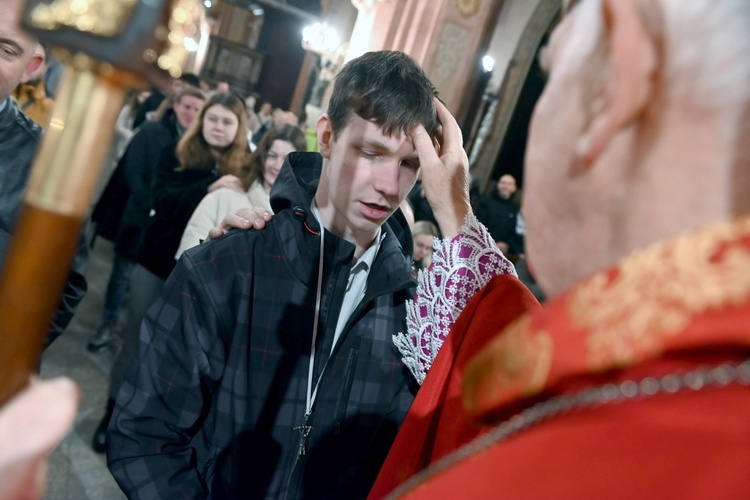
460 267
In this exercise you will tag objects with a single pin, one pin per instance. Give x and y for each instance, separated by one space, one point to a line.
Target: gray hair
708 44
707 47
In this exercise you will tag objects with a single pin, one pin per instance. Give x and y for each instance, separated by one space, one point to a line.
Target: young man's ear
325 135
36 62
630 79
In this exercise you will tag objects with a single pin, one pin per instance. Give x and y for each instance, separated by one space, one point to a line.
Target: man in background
152 103
499 212
32 97
35 420
19 138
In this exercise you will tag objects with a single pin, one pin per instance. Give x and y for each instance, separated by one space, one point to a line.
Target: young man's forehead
369 133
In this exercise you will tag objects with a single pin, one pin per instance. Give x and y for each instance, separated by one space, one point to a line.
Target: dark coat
176 195
212 403
500 217
151 103
19 137
122 212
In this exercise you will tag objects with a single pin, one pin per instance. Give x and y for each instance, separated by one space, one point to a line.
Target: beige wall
442 35
514 17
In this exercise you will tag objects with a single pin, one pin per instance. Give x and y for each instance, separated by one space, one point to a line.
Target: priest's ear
633 63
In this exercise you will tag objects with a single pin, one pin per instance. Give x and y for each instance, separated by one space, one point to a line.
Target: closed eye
10 48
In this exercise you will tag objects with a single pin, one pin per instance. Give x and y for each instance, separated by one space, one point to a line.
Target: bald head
18 59
639 133
506 186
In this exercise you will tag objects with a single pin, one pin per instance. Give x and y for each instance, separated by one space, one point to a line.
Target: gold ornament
468 8
105 18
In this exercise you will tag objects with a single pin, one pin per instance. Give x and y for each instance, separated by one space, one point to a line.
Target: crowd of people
349 332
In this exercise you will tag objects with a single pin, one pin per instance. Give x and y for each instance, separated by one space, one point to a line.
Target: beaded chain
695 380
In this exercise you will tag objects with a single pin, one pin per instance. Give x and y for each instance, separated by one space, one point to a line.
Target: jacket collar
295 187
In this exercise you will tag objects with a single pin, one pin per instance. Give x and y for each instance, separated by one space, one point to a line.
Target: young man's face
17 58
366 175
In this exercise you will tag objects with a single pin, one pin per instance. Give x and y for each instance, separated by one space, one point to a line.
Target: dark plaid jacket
209 408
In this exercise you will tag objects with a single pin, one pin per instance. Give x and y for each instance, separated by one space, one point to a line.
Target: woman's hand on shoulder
244 218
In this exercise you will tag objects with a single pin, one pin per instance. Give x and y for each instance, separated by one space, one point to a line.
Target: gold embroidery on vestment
656 292
518 360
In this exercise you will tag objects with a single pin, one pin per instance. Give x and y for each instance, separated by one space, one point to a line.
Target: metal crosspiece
304 431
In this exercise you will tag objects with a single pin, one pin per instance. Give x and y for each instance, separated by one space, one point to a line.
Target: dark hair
388 88
289 133
169 101
190 79
194 152
192 92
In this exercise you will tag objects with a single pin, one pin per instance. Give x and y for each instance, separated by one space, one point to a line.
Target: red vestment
670 309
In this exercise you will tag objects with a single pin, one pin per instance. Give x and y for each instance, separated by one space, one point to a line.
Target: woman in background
423 235
265 164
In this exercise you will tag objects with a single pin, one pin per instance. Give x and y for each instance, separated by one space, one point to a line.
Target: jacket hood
297 182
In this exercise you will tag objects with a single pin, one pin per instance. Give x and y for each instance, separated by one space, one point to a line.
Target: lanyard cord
311 394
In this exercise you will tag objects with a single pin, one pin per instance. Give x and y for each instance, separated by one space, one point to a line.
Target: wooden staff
113 45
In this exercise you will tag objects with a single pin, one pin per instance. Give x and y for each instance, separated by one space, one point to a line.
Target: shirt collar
367 258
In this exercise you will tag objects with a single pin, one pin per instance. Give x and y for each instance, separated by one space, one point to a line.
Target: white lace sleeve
460 267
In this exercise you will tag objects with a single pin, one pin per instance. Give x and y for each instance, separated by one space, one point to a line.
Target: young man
267 368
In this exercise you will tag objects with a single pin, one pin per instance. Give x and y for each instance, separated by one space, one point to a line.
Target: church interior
480 54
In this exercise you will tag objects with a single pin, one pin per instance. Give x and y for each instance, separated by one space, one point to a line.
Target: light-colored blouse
215 206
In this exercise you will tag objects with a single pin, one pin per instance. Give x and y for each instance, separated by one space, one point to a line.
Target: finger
254 213
31 425
216 233
452 137
424 146
38 418
235 221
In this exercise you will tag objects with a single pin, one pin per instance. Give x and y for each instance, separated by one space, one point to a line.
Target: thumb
216 233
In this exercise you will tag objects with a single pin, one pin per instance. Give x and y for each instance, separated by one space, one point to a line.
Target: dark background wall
281 43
